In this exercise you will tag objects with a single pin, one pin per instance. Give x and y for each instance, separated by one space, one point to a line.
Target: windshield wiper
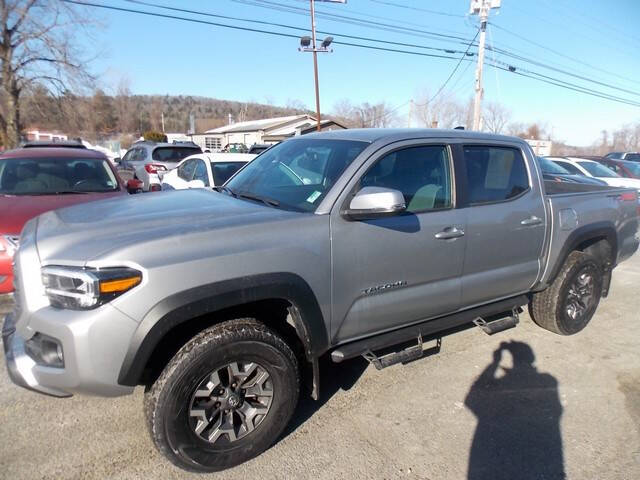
65 192
267 201
222 188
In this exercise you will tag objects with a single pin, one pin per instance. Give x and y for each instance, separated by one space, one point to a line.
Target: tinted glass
633 167
632 157
44 176
422 174
570 168
185 171
271 175
598 170
223 171
173 154
548 166
200 172
494 174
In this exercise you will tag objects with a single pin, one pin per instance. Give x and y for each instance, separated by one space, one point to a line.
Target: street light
308 44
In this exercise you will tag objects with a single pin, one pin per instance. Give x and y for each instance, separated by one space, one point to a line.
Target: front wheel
569 303
224 398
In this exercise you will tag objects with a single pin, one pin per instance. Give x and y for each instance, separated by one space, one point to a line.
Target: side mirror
375 202
196 184
134 186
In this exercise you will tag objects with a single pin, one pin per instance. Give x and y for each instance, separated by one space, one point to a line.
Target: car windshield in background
598 170
548 166
296 174
173 154
49 176
633 167
223 171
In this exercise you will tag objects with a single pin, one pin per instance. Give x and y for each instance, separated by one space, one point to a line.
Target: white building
541 148
268 130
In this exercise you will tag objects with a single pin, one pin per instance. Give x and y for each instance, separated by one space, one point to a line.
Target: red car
624 168
35 180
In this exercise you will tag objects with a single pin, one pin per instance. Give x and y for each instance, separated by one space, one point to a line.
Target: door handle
528 222
449 232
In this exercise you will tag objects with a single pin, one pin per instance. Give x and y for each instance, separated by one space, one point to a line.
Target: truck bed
571 207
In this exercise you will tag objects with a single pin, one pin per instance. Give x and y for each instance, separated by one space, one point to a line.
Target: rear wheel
569 303
224 398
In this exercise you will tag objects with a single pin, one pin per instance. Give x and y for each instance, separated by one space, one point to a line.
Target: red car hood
16 210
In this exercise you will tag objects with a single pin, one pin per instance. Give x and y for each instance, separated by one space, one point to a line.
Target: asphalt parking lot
480 408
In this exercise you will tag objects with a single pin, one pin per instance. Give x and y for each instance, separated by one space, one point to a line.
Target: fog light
45 351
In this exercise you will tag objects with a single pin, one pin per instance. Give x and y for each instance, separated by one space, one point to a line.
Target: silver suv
149 160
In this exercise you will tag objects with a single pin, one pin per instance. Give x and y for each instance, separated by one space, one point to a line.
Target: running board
440 325
407 355
499 325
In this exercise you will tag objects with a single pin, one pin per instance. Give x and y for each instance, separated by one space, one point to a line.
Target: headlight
85 288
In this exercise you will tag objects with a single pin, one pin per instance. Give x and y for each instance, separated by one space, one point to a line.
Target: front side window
548 166
573 170
185 171
422 174
598 170
494 174
50 176
633 167
200 172
298 186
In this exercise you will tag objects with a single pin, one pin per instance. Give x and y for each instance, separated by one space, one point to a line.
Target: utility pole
481 8
308 44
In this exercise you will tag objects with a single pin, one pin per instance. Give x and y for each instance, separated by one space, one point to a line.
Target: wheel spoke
210 386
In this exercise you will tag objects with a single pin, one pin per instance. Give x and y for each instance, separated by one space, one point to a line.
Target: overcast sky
596 39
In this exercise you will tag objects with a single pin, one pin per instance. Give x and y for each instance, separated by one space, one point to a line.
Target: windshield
46 176
598 170
297 173
633 167
548 166
173 154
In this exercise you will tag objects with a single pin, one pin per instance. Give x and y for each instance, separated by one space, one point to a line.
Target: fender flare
581 235
210 298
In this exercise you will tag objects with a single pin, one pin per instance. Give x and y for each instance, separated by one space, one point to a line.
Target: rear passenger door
505 223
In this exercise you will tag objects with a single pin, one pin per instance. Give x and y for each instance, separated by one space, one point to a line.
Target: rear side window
494 174
173 154
223 171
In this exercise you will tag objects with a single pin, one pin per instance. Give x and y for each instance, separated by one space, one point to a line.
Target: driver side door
394 271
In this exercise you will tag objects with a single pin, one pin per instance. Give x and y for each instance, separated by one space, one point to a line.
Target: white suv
204 170
591 168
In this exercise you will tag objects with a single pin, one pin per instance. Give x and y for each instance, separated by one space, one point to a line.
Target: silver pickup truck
334 245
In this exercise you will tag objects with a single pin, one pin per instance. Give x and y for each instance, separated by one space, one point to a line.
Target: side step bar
495 326
425 329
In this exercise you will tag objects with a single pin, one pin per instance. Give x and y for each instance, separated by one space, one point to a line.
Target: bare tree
441 111
38 45
496 116
124 107
365 115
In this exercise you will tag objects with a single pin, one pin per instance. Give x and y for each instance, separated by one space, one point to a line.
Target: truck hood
145 226
18 209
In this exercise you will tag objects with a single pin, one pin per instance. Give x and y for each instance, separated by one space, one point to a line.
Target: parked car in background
258 148
631 156
591 168
624 168
552 172
205 170
235 148
149 160
34 180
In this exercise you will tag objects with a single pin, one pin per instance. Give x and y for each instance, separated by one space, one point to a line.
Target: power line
408 7
506 66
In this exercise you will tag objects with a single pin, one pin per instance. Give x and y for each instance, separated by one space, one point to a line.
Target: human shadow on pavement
333 377
518 411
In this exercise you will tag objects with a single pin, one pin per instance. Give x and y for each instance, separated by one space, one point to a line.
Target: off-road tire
166 403
548 308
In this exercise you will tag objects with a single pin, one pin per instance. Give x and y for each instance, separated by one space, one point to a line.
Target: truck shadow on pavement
518 411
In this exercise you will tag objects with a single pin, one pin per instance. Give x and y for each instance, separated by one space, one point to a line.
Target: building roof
253 125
